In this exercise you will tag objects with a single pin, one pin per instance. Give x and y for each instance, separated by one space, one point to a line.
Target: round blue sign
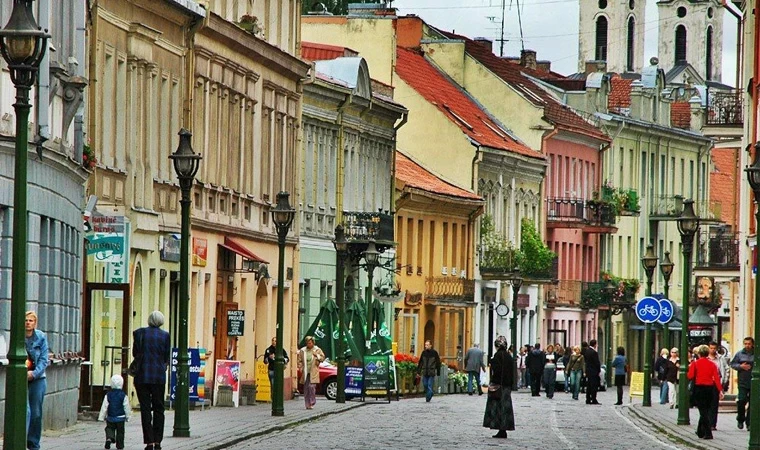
666 311
648 309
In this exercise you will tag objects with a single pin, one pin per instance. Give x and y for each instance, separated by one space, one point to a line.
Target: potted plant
89 160
406 368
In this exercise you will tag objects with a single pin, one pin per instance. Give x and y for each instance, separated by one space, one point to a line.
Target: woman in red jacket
706 378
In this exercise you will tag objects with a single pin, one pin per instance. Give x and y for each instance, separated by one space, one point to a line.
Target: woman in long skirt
499 413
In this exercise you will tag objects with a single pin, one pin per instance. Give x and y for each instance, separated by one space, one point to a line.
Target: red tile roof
620 94
680 115
313 51
460 109
416 176
514 74
724 183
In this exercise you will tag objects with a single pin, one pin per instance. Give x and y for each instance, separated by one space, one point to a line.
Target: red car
328 381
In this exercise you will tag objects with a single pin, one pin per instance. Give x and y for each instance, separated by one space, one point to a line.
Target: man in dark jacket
269 355
429 367
535 362
593 369
742 364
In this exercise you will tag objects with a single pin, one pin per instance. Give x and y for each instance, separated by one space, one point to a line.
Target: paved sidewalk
211 429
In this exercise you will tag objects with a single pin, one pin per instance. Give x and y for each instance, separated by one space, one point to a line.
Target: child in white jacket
115 411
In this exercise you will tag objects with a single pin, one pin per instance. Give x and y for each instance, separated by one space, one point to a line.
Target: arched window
680 43
601 39
629 47
709 55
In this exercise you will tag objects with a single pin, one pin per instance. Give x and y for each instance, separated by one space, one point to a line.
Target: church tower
612 31
691 31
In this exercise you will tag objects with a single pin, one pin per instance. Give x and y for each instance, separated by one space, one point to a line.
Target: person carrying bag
499 414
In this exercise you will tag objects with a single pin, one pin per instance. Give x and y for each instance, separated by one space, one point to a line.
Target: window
602 4
629 48
601 38
681 11
708 56
631 4
710 12
680 43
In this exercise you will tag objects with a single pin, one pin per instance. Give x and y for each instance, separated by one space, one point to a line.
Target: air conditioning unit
453 271
444 270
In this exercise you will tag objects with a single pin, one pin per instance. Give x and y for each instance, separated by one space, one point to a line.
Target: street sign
666 311
648 309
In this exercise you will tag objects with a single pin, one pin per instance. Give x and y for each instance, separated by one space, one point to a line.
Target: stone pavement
211 429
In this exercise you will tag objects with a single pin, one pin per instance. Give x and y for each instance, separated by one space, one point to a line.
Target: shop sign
200 252
169 248
235 322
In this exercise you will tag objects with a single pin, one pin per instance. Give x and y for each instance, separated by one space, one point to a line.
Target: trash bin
224 396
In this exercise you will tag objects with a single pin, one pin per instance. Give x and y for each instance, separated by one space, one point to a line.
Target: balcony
624 202
666 207
450 290
592 216
718 251
592 295
725 109
362 227
564 293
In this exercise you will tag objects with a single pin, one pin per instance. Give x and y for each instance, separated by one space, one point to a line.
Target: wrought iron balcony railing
580 211
593 296
725 108
564 293
718 251
450 289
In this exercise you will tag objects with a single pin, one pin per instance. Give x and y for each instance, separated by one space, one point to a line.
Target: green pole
278 401
370 297
683 393
647 400
608 333
182 414
16 382
754 412
515 351
666 327
341 295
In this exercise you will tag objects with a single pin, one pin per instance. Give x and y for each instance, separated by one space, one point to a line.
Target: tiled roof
460 109
620 94
724 182
680 115
416 176
514 74
312 51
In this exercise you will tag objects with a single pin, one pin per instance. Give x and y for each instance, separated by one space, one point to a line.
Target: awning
237 247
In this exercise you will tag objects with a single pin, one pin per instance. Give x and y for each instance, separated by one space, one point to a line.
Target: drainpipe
739 28
340 181
92 73
475 162
42 102
196 23
403 121
80 27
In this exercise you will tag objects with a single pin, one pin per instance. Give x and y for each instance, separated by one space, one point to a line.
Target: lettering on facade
235 322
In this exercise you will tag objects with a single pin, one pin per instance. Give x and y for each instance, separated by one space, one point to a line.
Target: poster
197 377
376 376
227 374
235 322
354 381
263 389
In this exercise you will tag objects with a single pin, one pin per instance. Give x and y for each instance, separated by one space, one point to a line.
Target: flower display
89 160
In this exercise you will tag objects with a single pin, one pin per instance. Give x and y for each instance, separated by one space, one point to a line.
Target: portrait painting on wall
706 292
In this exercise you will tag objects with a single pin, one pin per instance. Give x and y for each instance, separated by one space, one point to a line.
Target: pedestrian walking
723 370
593 371
37 361
309 358
115 410
706 379
742 363
473 363
499 414
430 367
521 370
152 348
671 376
574 371
659 369
550 372
269 356
620 364
565 361
535 362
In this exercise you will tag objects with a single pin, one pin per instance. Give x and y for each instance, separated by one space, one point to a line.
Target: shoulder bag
494 389
136 364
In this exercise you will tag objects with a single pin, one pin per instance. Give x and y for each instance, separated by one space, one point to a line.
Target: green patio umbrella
381 337
325 331
355 321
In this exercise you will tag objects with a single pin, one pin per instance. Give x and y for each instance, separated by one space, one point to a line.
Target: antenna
519 20
493 19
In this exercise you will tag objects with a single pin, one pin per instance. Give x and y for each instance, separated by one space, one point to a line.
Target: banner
227 374
354 381
263 389
196 375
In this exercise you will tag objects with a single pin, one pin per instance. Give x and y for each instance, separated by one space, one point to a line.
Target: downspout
192 28
404 118
92 75
340 181
80 53
755 74
42 101
739 28
475 162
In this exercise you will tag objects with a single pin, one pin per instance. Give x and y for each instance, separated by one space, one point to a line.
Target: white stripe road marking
555 429
640 430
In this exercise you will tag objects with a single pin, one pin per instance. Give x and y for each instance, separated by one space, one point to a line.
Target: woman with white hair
152 351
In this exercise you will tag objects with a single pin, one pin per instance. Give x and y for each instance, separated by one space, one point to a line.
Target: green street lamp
753 176
341 250
649 263
608 291
688 225
282 216
666 269
186 164
22 44
371 258
516 285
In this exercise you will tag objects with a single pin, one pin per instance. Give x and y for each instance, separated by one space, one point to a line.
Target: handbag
136 364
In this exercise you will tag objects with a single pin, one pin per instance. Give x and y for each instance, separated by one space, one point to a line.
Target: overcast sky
549 26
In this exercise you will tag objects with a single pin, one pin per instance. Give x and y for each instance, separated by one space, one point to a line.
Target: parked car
328 380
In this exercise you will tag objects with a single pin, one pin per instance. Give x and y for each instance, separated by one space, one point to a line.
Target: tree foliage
538 260
335 7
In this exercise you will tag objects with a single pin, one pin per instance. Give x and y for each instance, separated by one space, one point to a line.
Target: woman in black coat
499 413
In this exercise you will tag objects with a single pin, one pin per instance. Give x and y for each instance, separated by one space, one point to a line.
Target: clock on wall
502 310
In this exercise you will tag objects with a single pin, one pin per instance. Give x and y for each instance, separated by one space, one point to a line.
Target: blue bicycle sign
648 309
666 311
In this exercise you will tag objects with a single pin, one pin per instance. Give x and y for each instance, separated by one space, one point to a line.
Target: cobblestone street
454 421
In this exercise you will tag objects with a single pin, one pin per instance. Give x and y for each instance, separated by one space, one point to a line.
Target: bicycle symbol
648 310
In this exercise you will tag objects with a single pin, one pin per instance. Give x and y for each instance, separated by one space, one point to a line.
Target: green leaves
538 260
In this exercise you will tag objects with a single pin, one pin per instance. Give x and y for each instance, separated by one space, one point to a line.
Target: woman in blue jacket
620 364
37 361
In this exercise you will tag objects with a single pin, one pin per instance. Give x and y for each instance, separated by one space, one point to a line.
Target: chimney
596 66
528 59
484 42
544 66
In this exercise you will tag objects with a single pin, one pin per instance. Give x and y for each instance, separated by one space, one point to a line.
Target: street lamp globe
23 43
340 242
666 266
753 172
283 214
609 288
517 280
688 222
649 261
186 161
371 255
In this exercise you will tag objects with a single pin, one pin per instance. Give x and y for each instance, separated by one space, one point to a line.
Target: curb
239 439
671 434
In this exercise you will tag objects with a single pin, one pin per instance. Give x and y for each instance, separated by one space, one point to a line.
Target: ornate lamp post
608 291
341 249
282 216
371 257
649 263
516 284
688 225
753 176
666 269
186 163
22 44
